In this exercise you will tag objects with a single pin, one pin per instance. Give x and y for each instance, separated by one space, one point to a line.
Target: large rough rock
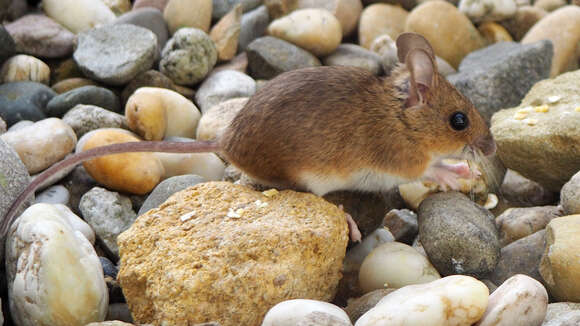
540 139
499 76
222 252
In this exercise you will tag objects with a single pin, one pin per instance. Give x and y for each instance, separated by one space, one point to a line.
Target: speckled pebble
84 118
54 195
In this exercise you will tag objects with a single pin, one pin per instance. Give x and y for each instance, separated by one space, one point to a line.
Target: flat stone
24 101
59 105
252 26
149 18
84 118
167 188
222 7
38 35
222 86
355 56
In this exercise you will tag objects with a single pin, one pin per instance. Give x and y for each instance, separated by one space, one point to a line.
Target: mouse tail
142 146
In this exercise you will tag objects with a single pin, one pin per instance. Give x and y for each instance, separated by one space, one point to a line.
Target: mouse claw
353 231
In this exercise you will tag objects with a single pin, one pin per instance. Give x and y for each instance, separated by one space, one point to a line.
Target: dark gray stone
149 18
253 25
90 95
269 56
167 188
222 7
109 269
458 235
7 44
353 55
500 75
403 225
24 101
78 182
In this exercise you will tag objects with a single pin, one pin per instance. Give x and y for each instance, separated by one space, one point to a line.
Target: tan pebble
68 84
577 109
25 68
280 8
380 19
226 32
494 33
188 13
542 108
218 117
346 11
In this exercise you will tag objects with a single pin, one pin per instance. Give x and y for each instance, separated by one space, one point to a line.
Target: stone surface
149 78
403 224
439 22
571 318
346 11
157 4
315 30
542 146
222 86
109 214
206 165
214 121
562 27
253 25
522 21
291 312
188 56
560 265
560 308
488 10
7 44
149 18
500 75
84 118
45 256
197 231
225 34
222 7
570 195
269 57
42 144
524 192
167 188
53 195
59 105
318 318
358 306
24 68
188 13
354 56
38 35
69 84
516 223
115 54
78 15
380 19
14 178
458 235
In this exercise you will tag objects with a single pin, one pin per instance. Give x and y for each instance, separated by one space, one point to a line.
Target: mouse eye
459 121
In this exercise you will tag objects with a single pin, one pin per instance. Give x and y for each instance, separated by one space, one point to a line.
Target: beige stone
560 265
24 68
68 84
218 117
279 8
188 13
450 32
493 33
135 173
78 15
524 19
226 32
549 5
315 30
517 223
346 11
562 27
379 19
222 252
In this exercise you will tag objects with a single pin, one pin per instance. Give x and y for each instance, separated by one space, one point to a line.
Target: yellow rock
450 32
346 11
136 173
188 13
315 30
379 19
560 265
494 33
223 252
25 68
226 32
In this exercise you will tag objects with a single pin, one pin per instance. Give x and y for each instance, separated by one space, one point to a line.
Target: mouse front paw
448 175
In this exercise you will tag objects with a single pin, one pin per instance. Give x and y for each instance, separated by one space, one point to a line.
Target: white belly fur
364 180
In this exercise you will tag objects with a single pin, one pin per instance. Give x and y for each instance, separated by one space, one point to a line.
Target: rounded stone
488 10
216 119
167 188
24 68
458 235
570 195
207 165
188 13
494 33
68 84
315 30
78 15
222 86
222 7
519 222
118 7
380 19
291 312
352 55
252 26
84 118
346 11
523 20
157 4
149 78
54 195
225 34
149 18
439 22
115 54
188 56
14 178
59 105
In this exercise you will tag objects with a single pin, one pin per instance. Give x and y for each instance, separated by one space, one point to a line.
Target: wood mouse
338 128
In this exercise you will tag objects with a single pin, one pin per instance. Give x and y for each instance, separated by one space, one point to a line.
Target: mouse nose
486 144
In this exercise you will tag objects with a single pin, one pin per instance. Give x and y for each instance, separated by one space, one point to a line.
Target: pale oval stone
78 15
439 22
488 10
158 113
519 301
218 117
225 33
290 312
25 68
45 259
395 265
451 301
42 144
315 30
380 19
562 27
346 11
356 255
54 195
207 165
188 13
136 173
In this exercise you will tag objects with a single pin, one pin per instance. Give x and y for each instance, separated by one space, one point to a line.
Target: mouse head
446 119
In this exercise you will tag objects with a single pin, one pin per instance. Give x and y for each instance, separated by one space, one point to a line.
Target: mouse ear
406 42
423 75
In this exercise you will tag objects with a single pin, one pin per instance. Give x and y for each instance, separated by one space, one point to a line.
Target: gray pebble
166 188
119 311
24 101
353 55
222 86
571 318
54 195
84 118
149 18
3 126
7 44
40 36
253 25
523 192
78 182
222 7
319 318
570 195
403 224
109 269
94 95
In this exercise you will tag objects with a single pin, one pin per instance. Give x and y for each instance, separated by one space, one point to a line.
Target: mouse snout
486 144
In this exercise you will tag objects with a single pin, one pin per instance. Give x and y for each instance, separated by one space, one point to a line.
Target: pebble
253 25
269 56
188 56
355 56
158 113
516 223
402 223
42 144
14 178
118 7
69 84
488 10
84 118
222 7
562 27
379 19
504 72
168 187
318 318
395 265
119 313
315 30
571 318
38 35
222 86
188 13
45 255
59 105
519 301
149 78
7 44
136 49
135 173
523 20
453 300
439 22
157 4
54 195
65 69
207 165
225 34
549 5
78 15
523 192
218 217
149 18
357 254
108 213
560 265
216 119
24 68
556 309
570 195
78 182
530 150
494 33
458 235
346 11
109 269
359 306
291 312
